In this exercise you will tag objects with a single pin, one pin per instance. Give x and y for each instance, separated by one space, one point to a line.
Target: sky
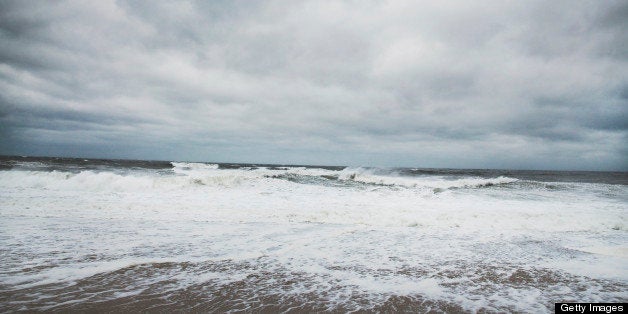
453 84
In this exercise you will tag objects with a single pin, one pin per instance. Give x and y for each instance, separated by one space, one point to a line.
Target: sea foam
337 239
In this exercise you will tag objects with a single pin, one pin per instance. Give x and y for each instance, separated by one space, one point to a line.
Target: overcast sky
463 84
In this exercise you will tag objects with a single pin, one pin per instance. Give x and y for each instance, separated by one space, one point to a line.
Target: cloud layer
488 84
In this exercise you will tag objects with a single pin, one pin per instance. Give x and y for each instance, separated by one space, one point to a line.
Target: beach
105 235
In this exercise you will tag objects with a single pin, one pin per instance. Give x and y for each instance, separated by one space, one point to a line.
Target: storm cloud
481 84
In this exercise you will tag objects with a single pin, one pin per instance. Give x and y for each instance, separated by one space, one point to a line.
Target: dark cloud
437 83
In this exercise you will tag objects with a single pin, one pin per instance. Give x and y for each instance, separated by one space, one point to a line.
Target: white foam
193 166
431 182
237 195
379 240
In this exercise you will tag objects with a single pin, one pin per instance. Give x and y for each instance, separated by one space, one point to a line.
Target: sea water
78 234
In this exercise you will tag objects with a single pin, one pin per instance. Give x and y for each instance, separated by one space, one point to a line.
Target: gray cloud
435 83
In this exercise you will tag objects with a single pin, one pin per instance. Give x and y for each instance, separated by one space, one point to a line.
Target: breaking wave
186 175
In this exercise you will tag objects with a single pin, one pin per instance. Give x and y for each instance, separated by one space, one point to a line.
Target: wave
84 180
109 181
193 175
436 183
186 175
186 166
347 196
183 176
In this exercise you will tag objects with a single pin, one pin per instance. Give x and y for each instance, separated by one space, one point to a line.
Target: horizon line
303 165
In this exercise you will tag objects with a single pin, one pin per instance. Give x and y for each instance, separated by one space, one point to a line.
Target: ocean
121 235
